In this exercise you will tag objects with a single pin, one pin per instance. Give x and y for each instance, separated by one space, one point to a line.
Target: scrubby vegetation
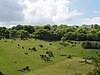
96 70
50 50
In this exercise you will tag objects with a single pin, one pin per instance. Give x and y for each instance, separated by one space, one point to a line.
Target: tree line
91 45
52 33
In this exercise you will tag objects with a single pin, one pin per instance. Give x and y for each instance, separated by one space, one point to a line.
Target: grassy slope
9 53
65 67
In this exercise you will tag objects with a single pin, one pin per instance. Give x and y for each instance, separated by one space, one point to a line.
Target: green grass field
13 58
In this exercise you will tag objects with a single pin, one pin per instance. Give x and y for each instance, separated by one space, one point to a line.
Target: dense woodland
52 33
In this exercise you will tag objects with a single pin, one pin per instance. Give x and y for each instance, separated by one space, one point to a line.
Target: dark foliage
52 33
91 45
1 73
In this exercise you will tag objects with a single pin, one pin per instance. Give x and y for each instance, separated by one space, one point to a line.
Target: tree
60 33
23 34
4 32
81 30
81 37
13 33
69 29
19 27
47 27
93 30
70 36
98 45
96 26
91 37
29 29
98 36
45 35
54 27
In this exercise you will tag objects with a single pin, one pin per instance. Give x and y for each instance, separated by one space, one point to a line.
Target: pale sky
41 12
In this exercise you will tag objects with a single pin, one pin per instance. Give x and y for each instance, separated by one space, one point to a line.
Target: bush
96 71
1 73
41 45
69 57
34 49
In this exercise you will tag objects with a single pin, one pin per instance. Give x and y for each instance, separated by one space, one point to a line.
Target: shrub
1 73
50 44
34 49
29 49
41 45
69 56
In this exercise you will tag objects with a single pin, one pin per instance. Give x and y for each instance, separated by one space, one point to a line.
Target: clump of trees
91 45
52 33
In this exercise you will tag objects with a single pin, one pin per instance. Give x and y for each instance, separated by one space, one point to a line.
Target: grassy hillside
14 55
66 67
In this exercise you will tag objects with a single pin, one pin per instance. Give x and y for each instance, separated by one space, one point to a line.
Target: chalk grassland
14 57
66 67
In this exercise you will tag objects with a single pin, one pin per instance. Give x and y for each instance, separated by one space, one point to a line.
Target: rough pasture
13 57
